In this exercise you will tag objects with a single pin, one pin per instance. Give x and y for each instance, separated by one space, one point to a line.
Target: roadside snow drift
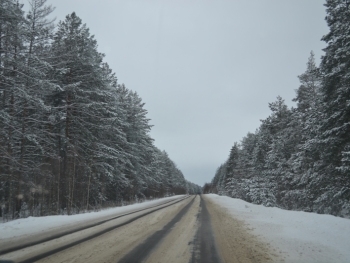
296 236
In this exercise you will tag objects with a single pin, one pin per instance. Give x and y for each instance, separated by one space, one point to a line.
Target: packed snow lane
21 233
134 243
89 226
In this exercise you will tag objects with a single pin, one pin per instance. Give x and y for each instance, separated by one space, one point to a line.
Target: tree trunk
88 192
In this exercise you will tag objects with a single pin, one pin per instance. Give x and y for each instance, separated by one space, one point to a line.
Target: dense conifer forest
299 158
71 138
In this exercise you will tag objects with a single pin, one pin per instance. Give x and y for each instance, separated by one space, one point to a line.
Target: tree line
299 158
71 138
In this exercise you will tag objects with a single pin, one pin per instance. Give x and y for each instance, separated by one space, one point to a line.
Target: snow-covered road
192 230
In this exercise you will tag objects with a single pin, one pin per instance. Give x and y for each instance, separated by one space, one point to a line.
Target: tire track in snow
204 250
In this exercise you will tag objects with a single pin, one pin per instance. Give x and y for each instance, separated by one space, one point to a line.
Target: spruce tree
335 67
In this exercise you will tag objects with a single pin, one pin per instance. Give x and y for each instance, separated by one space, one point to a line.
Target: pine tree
35 142
79 77
12 49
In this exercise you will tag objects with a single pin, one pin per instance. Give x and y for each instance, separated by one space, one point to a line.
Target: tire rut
205 248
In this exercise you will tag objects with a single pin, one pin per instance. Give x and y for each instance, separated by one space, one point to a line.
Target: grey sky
205 69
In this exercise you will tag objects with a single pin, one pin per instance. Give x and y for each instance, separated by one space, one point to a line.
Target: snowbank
34 225
297 236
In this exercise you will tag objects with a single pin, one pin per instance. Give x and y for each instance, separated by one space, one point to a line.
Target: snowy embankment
35 225
296 236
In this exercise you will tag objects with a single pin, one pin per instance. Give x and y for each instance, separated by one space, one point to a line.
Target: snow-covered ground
297 236
35 225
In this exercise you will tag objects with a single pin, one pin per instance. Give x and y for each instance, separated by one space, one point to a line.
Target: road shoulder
235 243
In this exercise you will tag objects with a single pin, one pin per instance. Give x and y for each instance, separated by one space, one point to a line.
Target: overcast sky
205 69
